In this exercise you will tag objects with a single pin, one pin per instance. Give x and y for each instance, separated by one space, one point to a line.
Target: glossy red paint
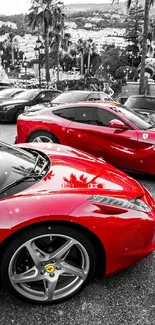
124 148
62 196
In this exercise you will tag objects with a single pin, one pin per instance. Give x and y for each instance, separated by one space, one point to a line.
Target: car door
90 132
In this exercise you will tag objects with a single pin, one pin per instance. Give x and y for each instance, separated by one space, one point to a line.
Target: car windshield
134 118
104 96
132 102
71 97
27 94
14 164
6 92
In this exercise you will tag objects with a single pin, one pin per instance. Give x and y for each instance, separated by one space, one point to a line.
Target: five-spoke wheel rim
42 138
49 267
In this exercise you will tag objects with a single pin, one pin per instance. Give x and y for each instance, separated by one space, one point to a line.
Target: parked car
4 85
143 104
9 93
73 96
65 215
11 109
114 133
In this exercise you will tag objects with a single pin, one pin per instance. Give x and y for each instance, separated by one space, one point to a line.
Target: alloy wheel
49 267
43 138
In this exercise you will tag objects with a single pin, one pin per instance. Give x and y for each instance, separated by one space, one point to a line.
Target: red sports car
65 214
116 134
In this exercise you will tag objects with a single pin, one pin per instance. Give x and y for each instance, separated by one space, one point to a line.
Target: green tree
81 48
134 22
113 57
57 32
44 13
148 4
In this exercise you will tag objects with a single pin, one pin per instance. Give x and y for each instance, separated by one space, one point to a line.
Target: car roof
141 96
87 104
83 91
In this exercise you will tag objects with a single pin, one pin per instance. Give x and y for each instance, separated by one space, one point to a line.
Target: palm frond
129 2
152 2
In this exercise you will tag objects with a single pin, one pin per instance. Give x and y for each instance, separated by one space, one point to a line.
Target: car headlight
133 204
7 108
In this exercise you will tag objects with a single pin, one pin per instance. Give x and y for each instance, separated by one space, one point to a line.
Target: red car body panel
62 195
131 149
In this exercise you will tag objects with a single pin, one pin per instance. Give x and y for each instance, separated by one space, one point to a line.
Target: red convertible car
111 132
63 215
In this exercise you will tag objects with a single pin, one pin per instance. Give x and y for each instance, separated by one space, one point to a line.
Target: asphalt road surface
125 298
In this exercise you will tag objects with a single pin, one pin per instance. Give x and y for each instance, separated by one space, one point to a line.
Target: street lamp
127 71
39 51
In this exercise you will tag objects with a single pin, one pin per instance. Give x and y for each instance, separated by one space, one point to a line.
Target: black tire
30 234
43 134
20 111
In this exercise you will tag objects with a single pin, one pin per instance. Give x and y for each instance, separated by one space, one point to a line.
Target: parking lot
125 298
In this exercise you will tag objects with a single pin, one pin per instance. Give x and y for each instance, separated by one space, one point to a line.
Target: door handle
70 131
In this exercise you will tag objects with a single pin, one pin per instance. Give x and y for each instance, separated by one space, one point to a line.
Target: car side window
86 115
104 117
40 97
93 96
49 95
150 103
67 113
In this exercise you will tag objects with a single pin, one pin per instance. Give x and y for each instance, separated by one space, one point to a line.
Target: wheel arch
99 248
42 130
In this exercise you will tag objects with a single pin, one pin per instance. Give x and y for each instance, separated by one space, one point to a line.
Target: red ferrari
63 215
113 133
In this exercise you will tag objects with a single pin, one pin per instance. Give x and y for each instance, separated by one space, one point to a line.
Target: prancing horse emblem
145 136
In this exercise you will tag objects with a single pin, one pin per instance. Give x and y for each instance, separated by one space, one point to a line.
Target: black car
142 104
4 85
73 96
9 93
11 109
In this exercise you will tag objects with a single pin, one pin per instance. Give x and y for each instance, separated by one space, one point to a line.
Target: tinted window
67 113
104 96
104 117
49 95
140 102
15 164
70 97
93 96
150 103
86 115
134 118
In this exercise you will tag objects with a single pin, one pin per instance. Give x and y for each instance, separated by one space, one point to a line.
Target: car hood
2 99
74 170
13 102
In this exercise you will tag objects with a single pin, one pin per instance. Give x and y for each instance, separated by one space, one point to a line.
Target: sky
10 7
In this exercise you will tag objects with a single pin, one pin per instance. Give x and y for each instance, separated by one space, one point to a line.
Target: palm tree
90 45
148 4
57 32
81 48
42 14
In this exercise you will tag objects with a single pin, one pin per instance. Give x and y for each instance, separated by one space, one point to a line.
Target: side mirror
116 124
